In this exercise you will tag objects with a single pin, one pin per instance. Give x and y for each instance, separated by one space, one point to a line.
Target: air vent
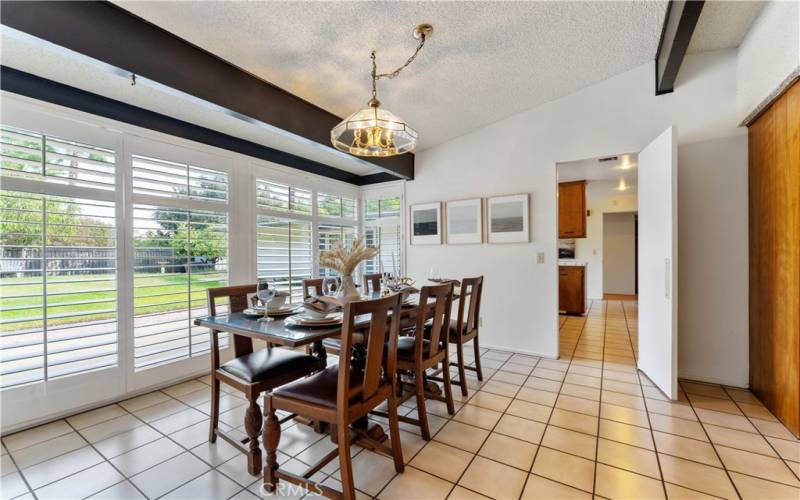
608 158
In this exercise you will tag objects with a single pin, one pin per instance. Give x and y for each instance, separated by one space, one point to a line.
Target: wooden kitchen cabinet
572 209
572 289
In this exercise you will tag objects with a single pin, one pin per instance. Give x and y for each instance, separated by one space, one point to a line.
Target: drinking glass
265 291
433 275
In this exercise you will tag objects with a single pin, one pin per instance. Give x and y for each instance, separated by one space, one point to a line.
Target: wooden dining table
279 333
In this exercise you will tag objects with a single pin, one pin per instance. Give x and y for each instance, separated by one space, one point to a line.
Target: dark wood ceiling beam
113 35
679 24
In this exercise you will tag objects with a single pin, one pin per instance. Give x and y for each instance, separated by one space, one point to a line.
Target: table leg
319 350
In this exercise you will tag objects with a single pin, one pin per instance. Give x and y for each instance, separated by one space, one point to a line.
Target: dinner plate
306 321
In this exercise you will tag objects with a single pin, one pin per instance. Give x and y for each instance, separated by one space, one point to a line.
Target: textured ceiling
486 60
723 24
593 170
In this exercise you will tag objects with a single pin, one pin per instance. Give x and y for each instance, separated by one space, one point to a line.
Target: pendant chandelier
375 131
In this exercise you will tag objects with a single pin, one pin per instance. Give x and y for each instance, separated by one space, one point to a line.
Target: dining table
279 332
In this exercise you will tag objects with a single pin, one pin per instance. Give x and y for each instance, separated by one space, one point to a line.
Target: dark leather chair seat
271 363
320 388
406 345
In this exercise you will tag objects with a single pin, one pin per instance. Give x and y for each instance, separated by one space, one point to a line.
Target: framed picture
426 224
464 221
508 219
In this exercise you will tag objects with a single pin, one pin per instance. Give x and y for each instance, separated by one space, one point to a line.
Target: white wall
769 53
619 253
600 199
519 155
713 253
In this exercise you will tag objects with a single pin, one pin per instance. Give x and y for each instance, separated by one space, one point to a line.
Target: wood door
774 165
572 209
658 251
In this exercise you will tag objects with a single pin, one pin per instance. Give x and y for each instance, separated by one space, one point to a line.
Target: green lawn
20 298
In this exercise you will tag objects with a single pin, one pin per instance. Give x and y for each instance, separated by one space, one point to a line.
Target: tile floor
585 425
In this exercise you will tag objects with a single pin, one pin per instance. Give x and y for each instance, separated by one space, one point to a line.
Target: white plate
306 321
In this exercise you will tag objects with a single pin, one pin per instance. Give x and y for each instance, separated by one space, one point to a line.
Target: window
284 253
329 236
382 228
329 205
180 240
29 155
58 259
278 197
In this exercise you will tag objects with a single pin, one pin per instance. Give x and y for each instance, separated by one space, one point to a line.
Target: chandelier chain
392 74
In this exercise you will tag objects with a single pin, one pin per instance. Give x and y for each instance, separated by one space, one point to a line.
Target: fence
65 261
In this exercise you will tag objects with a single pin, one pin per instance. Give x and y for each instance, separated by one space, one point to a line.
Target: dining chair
342 395
465 328
251 372
317 285
424 350
372 283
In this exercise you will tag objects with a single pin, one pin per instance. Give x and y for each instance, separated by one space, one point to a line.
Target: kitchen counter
568 262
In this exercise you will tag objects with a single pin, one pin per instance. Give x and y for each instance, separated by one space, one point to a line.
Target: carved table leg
252 425
272 436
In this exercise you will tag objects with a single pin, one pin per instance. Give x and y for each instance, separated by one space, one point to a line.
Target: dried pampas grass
344 261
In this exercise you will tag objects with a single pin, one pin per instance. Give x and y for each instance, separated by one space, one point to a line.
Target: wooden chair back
237 302
469 305
381 344
317 284
373 280
439 322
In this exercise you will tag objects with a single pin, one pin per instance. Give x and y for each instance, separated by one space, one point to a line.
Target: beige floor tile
670 408
789 450
442 460
460 493
463 436
580 422
531 411
489 401
583 380
628 457
759 489
740 439
578 405
520 428
538 396
493 479
581 391
500 388
509 378
186 388
696 476
540 488
509 451
82 484
89 418
564 468
61 467
624 415
757 465
626 433
37 453
739 422
678 426
121 491
714 391
773 429
626 400
333 483
617 483
297 438
105 430
675 492
12 485
144 401
160 410
415 484
757 410
543 384
517 368
169 475
212 484
215 454
36 435
569 441
144 457
714 404
687 448
477 416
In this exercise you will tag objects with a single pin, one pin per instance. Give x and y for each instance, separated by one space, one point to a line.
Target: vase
347 291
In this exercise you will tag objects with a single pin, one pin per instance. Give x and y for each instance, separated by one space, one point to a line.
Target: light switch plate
540 258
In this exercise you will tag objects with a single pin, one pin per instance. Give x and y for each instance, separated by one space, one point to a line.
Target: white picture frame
508 218
464 221
425 223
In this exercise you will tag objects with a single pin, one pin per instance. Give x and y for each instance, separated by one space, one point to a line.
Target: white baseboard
713 380
519 351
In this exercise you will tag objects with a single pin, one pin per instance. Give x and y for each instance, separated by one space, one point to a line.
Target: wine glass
265 291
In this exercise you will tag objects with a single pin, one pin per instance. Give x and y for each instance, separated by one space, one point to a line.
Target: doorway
620 280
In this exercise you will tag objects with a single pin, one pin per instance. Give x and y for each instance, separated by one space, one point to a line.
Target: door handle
667 278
